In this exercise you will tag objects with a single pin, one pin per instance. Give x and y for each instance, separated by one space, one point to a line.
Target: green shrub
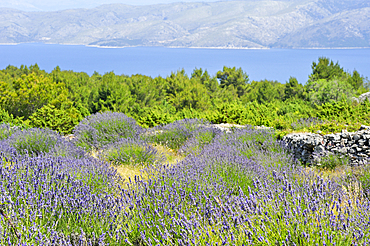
174 135
323 91
131 151
60 120
330 161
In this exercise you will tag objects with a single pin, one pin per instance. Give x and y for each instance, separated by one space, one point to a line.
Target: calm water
274 64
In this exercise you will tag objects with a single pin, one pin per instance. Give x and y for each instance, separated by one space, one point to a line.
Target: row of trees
60 99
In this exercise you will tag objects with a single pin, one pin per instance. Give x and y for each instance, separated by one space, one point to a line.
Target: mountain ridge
224 24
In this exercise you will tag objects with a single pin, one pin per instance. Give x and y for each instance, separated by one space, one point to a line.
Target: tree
322 91
293 89
236 77
111 94
264 91
326 69
23 96
356 80
183 92
204 78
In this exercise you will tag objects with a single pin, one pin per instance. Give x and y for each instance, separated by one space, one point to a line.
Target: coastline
194 47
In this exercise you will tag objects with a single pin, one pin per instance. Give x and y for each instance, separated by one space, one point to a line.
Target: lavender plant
175 134
306 123
200 138
131 151
7 130
201 201
35 141
101 129
240 188
59 201
363 176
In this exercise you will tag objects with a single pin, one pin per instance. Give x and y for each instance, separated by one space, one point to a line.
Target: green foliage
8 118
183 92
23 96
345 112
131 152
264 91
233 77
294 90
153 117
58 100
325 69
111 95
331 161
61 120
204 78
356 80
323 91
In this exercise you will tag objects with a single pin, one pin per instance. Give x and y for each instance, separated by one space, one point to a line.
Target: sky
54 5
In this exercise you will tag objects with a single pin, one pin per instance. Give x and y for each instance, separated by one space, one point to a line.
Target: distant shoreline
195 47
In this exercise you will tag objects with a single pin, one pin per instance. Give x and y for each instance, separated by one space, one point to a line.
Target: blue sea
271 64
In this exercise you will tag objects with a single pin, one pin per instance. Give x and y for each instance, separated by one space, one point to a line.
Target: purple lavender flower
100 129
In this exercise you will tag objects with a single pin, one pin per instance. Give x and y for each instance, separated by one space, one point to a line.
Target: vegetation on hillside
58 100
182 181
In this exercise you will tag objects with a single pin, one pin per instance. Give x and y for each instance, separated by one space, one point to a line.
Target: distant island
226 24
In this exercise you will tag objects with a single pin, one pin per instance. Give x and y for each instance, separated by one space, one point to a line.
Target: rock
361 142
343 150
363 127
355 99
334 137
319 149
310 147
364 96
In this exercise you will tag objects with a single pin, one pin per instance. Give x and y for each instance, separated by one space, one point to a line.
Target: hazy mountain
248 24
54 5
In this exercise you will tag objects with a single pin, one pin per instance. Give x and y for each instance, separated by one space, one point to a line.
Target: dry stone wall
308 146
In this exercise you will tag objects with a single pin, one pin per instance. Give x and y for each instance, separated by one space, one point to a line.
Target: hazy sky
52 5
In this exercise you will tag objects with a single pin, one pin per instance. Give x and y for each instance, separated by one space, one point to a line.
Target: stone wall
309 146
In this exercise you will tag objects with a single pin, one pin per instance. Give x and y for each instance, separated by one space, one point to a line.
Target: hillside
225 24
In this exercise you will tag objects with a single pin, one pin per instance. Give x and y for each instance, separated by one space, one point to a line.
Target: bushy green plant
329 161
61 120
131 152
174 135
334 126
322 91
8 118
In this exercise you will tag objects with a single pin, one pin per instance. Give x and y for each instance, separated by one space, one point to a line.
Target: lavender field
189 184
